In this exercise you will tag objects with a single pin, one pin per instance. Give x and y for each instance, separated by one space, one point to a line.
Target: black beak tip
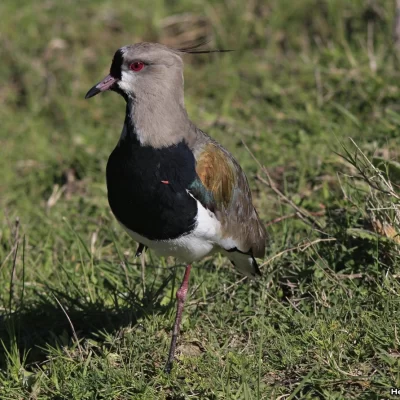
92 92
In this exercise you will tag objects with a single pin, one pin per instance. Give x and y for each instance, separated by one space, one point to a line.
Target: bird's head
149 76
143 70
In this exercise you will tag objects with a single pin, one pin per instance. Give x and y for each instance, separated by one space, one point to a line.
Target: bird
173 188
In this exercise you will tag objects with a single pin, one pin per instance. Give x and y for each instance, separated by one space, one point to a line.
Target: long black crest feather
206 51
194 49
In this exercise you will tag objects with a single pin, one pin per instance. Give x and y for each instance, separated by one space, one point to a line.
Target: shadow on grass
33 328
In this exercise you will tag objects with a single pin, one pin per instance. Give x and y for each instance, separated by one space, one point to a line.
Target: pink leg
180 301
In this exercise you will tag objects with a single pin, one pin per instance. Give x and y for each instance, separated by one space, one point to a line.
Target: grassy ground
77 320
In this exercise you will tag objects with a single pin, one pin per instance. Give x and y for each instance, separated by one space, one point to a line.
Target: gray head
144 69
150 78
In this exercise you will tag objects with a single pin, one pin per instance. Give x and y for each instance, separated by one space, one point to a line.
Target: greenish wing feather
200 192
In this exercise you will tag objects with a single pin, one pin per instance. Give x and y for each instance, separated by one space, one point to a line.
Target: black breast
147 189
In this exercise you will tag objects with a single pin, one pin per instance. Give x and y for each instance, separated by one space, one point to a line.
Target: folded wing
221 186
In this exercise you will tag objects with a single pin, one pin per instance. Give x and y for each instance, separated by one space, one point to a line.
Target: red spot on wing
165 182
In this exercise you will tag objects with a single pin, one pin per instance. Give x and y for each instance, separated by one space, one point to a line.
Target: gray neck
157 122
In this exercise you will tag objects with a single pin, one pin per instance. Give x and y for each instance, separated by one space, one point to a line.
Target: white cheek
127 82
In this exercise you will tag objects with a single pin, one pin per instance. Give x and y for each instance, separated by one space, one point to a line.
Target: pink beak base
102 86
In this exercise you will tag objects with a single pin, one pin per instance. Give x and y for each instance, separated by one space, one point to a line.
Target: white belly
192 246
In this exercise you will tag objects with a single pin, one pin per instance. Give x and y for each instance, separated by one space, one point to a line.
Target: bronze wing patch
217 174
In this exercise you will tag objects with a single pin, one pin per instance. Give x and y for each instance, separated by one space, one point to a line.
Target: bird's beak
102 86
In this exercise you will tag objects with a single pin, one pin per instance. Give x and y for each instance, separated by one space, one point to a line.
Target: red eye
136 66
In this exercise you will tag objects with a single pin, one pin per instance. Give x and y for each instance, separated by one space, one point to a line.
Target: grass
77 319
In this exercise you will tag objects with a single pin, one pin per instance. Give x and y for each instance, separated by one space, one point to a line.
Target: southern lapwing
171 186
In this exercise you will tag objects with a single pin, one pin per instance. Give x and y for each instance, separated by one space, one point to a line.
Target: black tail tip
257 272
